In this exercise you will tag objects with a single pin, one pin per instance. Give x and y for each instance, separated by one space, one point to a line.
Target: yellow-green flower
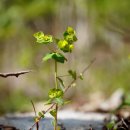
41 38
70 30
62 44
69 35
71 47
65 46
55 93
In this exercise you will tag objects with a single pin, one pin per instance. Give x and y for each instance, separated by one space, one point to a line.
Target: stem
56 106
56 123
37 123
56 83
64 75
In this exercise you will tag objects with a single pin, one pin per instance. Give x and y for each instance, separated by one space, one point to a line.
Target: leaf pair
53 113
56 56
40 115
60 101
73 74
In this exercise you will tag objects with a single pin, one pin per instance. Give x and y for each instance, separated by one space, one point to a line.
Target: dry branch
16 74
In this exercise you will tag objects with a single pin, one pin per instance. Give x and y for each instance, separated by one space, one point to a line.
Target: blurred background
103 31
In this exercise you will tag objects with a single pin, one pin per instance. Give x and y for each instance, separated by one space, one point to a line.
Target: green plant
56 95
111 125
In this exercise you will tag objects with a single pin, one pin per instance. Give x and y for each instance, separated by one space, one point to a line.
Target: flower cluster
41 38
66 45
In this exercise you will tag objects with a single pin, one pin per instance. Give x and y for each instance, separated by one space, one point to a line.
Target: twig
37 124
92 61
16 74
34 108
124 123
63 75
41 115
6 127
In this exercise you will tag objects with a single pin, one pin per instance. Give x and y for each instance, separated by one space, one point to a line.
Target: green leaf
59 57
73 74
81 76
61 83
49 101
56 56
48 56
53 123
110 125
59 101
41 38
41 114
53 113
55 93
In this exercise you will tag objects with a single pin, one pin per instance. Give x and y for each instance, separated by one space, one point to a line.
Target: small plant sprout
56 94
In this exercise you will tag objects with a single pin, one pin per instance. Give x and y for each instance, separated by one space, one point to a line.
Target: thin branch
124 123
63 75
34 108
16 74
6 127
41 115
37 124
66 89
91 62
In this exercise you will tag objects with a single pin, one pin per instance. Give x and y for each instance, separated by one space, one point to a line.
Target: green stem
56 86
56 83
56 122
